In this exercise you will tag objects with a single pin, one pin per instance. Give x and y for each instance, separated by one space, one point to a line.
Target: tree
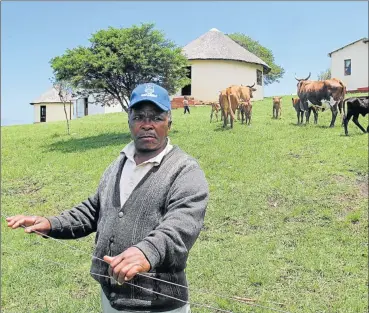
263 53
64 90
325 74
119 59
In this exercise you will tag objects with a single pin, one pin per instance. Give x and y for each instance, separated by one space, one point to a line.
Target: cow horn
297 78
300 79
251 86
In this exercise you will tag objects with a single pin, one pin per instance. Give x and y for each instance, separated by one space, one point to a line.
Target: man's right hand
32 223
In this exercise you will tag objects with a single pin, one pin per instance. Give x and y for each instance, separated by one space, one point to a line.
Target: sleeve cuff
56 225
150 252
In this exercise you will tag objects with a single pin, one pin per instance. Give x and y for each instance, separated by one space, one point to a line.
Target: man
147 213
185 105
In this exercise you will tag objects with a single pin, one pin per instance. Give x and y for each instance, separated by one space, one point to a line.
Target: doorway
186 90
43 113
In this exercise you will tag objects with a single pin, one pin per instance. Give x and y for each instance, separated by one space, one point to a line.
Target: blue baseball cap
150 92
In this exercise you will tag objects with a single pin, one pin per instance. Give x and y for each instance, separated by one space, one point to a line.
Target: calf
246 111
300 113
215 107
277 107
355 106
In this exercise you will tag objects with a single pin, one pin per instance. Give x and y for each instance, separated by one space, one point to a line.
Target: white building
216 62
350 64
49 108
88 106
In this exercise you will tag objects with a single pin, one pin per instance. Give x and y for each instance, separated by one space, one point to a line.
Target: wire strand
242 300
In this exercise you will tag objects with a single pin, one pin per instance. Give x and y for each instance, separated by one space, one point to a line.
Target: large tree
263 53
119 59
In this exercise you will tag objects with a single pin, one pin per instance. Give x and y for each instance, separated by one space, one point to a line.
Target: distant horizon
299 45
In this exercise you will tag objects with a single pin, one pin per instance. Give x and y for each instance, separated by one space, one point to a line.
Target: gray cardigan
162 217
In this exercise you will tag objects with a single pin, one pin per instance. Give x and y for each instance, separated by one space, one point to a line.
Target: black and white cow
355 107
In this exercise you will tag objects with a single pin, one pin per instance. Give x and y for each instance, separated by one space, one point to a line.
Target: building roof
364 40
214 45
50 96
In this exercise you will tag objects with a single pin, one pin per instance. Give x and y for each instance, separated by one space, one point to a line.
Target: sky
300 35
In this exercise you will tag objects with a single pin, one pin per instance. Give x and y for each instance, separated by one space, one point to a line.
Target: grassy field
287 221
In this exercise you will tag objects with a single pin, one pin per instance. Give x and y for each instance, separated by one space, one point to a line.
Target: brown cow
235 94
300 113
246 111
226 108
277 107
314 92
215 107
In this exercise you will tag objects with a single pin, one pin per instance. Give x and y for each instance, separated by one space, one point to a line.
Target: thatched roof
214 45
50 96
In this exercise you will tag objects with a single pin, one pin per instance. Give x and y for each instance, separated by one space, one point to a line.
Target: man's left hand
126 265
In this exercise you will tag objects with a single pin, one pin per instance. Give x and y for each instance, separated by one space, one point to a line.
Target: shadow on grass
220 128
310 124
352 134
299 125
87 143
324 126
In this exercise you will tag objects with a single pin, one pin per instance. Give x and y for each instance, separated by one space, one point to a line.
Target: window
259 77
348 67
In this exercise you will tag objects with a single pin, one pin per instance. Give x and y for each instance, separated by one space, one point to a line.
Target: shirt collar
129 150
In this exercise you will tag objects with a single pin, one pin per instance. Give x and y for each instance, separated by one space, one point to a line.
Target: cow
300 113
235 94
246 111
277 107
215 107
355 107
314 92
226 108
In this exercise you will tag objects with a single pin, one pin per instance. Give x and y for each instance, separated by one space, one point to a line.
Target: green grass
287 220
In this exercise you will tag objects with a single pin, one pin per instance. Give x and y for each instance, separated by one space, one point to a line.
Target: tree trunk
125 107
66 117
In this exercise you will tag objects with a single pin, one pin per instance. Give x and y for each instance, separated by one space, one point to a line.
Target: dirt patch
339 178
362 183
23 187
294 155
80 294
272 202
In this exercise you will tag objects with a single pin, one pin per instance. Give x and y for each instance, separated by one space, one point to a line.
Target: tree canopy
119 59
325 74
263 53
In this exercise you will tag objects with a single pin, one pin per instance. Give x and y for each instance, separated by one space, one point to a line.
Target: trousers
108 309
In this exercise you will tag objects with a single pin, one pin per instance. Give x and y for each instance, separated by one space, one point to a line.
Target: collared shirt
132 173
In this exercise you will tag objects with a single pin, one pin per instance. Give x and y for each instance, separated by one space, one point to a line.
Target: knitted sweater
162 217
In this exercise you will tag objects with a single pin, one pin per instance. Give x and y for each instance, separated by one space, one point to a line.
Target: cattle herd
311 97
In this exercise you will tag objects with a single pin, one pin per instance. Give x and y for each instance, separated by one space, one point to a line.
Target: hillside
286 222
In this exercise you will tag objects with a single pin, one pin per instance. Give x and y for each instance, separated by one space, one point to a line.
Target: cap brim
159 105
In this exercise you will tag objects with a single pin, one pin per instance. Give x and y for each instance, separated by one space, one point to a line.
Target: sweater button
120 214
113 295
